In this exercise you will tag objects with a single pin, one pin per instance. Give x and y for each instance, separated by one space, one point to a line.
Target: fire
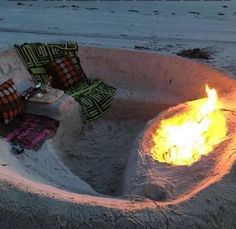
184 138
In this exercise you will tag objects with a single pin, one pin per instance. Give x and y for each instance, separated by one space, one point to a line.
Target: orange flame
184 138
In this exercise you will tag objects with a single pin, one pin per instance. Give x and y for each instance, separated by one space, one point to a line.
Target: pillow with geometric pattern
10 103
64 73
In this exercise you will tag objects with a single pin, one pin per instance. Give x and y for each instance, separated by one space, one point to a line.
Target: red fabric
31 131
10 103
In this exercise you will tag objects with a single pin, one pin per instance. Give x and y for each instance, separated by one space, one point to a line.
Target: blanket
29 131
36 57
94 96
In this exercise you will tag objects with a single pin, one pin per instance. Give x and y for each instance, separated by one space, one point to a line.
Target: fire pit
183 150
191 133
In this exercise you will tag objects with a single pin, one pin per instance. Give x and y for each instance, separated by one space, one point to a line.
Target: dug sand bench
101 174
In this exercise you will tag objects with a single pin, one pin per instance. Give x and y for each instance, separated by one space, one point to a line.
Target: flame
184 138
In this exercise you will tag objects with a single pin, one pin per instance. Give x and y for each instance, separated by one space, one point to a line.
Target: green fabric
94 96
37 56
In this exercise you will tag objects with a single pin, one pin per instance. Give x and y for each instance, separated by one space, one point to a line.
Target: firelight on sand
184 138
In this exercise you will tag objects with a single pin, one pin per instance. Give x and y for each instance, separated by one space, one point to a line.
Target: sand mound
163 182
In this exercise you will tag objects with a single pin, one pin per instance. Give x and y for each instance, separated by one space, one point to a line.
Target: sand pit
80 178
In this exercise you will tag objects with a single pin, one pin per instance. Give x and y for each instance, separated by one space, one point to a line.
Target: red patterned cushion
64 73
10 104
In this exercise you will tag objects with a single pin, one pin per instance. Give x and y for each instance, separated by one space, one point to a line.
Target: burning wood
184 138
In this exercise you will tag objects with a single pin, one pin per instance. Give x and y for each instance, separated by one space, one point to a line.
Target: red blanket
30 131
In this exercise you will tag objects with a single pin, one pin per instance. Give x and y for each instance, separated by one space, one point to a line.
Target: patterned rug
94 96
29 131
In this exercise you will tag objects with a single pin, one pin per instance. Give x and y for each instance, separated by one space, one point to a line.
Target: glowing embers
184 138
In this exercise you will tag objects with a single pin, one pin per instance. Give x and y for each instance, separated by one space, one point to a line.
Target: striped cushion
10 104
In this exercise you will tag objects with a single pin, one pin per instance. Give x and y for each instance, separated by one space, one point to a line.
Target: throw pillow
10 103
64 73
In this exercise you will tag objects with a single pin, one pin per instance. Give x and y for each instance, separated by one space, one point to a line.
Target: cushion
36 57
64 73
10 103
